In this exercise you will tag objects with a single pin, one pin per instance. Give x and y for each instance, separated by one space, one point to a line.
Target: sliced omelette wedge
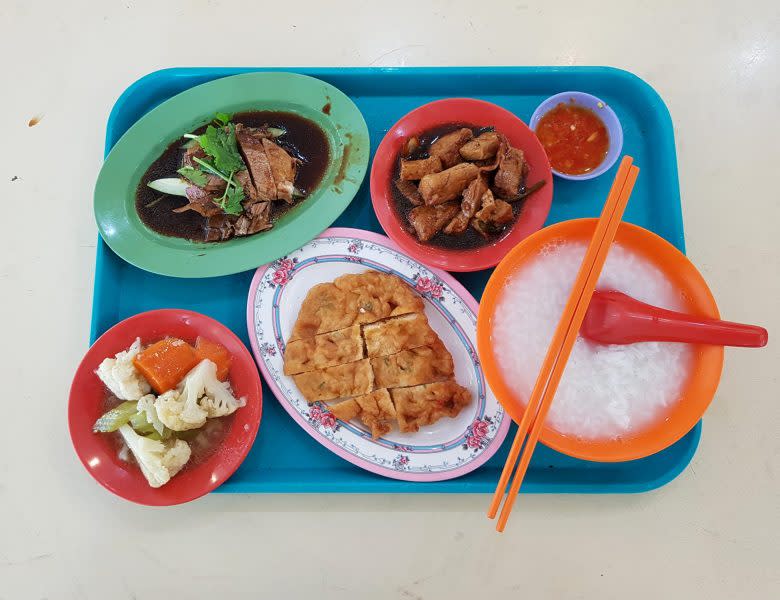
425 404
342 381
375 410
324 350
424 364
397 334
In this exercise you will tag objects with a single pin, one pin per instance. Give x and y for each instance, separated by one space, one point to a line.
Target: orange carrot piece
165 363
216 353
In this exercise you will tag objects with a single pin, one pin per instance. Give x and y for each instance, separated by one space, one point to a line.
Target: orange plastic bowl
707 363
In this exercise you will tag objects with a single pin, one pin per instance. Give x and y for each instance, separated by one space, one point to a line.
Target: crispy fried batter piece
409 191
325 308
425 404
412 170
438 188
322 351
424 364
427 221
483 147
400 333
472 200
376 410
379 295
342 381
351 299
511 170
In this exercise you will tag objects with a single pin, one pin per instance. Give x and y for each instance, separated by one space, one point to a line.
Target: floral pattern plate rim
447 449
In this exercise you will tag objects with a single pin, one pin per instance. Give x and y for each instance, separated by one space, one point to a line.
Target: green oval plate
126 235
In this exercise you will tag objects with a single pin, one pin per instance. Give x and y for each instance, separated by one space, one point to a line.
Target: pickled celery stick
116 417
140 424
143 427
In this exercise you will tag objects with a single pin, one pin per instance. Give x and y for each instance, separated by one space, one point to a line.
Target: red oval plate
481 114
87 395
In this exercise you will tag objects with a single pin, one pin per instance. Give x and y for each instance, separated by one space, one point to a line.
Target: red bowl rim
439 112
130 483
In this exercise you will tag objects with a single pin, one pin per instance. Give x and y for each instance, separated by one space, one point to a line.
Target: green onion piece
173 186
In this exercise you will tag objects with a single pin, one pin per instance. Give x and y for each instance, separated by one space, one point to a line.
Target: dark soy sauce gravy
468 239
304 140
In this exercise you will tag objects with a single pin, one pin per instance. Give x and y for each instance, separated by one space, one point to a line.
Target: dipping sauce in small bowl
580 134
575 139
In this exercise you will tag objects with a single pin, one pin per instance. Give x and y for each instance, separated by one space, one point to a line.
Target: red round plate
87 395
473 112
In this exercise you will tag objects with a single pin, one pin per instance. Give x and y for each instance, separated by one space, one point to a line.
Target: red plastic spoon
615 318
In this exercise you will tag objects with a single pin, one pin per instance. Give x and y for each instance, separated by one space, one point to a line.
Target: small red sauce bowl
88 394
481 114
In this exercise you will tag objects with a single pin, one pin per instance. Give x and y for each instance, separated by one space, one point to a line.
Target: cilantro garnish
194 175
231 200
220 144
222 118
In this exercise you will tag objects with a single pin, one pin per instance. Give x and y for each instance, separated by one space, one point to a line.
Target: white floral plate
447 449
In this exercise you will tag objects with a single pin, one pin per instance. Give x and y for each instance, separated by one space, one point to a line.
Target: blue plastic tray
286 459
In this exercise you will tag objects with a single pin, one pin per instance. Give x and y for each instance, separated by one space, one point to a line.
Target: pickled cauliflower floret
121 377
199 396
146 406
159 461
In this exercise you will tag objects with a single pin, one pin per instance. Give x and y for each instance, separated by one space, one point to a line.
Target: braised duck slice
219 228
250 143
215 185
194 151
256 218
201 201
243 179
283 167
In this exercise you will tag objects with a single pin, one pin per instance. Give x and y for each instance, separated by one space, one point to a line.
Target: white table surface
712 533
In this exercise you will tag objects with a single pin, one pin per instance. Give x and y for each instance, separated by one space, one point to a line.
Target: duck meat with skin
234 176
219 228
201 201
256 218
283 168
250 143
243 179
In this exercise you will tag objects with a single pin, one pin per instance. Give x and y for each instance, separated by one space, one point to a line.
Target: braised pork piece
236 176
460 186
